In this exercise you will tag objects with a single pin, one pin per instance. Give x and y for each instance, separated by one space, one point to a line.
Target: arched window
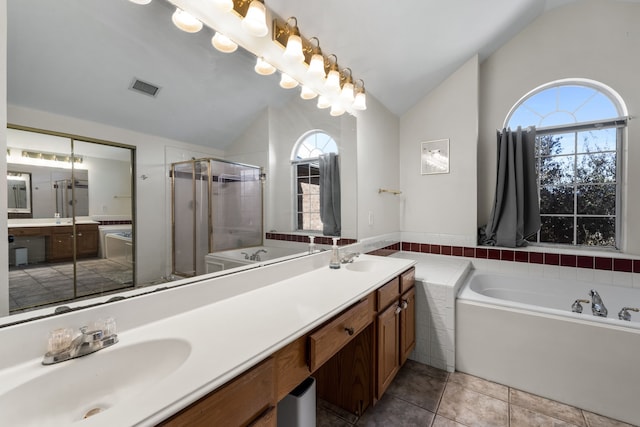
307 177
578 156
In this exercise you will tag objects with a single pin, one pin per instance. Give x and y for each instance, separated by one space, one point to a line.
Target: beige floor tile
425 369
595 420
521 417
445 422
397 413
418 387
471 408
480 385
548 407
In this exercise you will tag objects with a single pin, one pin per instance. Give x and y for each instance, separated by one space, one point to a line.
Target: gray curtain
515 214
330 194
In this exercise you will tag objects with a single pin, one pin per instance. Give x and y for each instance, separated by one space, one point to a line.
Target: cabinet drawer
407 280
247 398
328 340
388 293
26 231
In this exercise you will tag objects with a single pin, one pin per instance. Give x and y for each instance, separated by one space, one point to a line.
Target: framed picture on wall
434 157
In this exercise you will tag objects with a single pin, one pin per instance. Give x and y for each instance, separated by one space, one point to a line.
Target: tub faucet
597 306
624 313
576 307
256 255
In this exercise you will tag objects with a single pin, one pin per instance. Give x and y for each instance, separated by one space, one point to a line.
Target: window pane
556 229
556 200
597 231
303 169
597 140
597 167
556 144
556 170
597 199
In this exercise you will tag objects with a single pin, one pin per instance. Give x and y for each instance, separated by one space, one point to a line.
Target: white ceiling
78 58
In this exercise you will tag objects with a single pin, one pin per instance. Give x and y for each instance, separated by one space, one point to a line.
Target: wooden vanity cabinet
87 240
60 243
247 400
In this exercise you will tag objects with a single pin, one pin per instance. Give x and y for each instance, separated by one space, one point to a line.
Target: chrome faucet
624 313
576 307
64 346
597 306
256 255
348 258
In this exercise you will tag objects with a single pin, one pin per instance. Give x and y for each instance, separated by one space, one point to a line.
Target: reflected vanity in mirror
18 193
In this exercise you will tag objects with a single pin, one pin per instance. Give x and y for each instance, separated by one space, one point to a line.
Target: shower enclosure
216 205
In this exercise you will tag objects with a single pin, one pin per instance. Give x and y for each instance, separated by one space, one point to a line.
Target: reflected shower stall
216 205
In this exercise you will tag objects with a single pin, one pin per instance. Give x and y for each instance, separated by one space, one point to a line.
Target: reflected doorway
78 239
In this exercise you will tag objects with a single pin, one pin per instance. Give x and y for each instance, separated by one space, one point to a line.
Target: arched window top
566 102
312 144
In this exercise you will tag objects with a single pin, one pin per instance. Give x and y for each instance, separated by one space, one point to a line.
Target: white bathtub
225 260
520 331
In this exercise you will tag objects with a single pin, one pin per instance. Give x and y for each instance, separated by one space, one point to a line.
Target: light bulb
293 52
263 67
223 43
323 102
287 82
360 102
316 68
337 109
346 95
307 93
185 21
332 85
224 5
140 1
255 22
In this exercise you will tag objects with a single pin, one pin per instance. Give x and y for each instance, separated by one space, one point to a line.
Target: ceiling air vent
144 87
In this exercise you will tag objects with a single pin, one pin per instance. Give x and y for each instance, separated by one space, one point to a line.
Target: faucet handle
59 340
576 307
624 313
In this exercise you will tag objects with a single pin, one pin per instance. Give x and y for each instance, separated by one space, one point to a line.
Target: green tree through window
578 148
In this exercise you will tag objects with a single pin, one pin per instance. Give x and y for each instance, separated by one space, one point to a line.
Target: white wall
109 186
154 156
590 39
441 208
4 249
378 167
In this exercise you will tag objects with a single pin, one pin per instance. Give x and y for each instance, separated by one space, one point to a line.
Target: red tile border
457 250
481 253
506 255
551 259
603 263
469 252
623 264
536 258
521 256
446 250
435 249
493 254
585 261
636 265
568 260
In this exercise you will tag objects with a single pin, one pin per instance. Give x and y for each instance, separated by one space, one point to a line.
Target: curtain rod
617 122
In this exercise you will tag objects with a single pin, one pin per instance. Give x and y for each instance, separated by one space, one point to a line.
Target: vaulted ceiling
79 57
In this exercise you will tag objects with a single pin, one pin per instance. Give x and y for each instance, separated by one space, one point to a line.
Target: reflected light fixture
263 67
255 21
337 109
140 1
332 84
346 94
185 21
307 93
223 43
316 64
287 82
223 5
323 102
360 101
293 50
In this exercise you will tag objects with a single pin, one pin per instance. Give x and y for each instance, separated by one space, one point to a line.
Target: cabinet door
388 324
87 240
407 324
61 244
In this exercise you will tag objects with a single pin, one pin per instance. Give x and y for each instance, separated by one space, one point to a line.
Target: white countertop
228 336
437 269
46 222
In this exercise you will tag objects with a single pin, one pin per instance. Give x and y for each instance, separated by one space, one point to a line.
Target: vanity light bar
51 156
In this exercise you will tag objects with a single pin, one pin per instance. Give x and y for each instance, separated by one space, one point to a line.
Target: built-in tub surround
224 260
521 332
285 301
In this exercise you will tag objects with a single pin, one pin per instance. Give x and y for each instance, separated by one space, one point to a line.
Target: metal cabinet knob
349 331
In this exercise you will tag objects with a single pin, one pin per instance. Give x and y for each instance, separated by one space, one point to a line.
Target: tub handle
624 313
576 307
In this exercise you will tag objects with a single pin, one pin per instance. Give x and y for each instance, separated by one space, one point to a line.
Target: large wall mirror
209 104
18 193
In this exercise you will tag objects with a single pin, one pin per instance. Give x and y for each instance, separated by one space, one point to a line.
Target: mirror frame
22 212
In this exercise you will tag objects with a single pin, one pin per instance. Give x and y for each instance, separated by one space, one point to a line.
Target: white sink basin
362 265
73 390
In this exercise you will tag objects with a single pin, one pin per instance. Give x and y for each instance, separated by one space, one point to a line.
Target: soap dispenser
335 255
312 245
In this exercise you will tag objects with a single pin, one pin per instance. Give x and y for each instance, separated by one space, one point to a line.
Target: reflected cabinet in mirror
76 241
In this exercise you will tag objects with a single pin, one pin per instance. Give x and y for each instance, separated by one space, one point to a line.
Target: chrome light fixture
223 43
255 21
185 21
263 67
